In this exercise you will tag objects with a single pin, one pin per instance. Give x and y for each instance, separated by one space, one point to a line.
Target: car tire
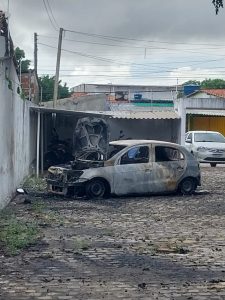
187 186
213 165
96 189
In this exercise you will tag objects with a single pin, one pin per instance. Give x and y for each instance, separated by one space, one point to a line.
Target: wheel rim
97 188
187 185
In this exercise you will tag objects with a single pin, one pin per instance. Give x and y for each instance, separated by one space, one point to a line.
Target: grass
15 234
35 184
80 245
108 232
38 206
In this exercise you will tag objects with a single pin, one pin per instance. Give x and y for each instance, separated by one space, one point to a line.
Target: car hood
211 145
91 137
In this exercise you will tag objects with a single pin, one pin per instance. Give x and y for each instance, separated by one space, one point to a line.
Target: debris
142 285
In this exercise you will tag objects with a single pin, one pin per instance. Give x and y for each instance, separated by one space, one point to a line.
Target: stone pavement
156 247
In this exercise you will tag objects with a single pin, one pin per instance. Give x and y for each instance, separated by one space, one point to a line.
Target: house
208 93
30 87
139 95
202 110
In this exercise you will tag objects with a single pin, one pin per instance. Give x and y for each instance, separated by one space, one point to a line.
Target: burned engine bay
90 150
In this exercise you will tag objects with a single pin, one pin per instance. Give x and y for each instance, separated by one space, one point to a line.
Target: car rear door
133 171
169 164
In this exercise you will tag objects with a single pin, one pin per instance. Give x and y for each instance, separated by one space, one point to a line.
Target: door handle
180 168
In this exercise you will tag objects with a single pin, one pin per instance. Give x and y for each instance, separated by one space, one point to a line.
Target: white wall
15 133
181 104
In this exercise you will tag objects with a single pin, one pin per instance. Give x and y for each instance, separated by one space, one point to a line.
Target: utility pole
56 85
35 53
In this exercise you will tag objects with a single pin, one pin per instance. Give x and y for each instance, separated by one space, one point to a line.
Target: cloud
154 34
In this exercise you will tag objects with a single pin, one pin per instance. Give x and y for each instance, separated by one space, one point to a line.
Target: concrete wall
164 130
16 135
88 102
204 103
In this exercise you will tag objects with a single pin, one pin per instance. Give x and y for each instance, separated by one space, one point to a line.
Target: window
167 154
189 137
209 137
136 155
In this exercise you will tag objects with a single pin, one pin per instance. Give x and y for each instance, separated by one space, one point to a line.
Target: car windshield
209 137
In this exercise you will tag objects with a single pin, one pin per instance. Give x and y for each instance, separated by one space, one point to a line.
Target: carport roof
206 112
144 115
141 115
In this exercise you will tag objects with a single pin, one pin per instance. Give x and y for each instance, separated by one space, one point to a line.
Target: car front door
169 165
133 171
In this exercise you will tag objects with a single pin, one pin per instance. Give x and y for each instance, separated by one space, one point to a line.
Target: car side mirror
188 141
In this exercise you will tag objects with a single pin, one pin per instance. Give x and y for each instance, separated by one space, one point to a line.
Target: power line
137 47
52 13
117 38
53 25
100 58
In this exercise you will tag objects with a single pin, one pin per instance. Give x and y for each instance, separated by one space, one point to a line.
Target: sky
147 42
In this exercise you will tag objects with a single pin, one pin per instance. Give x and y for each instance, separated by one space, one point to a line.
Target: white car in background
206 146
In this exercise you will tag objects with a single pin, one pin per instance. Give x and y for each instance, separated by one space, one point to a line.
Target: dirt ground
155 247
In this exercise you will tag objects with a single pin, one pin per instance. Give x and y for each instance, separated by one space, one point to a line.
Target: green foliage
192 82
218 4
35 184
25 63
38 206
81 245
15 234
19 54
47 84
213 84
207 83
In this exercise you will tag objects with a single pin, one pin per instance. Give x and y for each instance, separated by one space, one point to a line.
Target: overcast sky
145 41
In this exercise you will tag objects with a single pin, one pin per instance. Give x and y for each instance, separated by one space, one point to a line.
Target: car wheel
213 165
96 189
188 186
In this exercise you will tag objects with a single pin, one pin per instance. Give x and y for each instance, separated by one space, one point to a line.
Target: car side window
167 154
135 155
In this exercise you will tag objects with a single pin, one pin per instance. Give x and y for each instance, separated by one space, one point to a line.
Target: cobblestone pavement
156 247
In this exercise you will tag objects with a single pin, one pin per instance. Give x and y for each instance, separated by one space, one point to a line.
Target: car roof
128 143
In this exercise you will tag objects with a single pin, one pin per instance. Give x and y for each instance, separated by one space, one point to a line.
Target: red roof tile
215 92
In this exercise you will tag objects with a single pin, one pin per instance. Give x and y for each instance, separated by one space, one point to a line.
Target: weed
81 244
38 206
108 232
35 184
16 235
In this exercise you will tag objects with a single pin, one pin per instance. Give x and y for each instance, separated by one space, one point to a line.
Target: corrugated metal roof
137 108
147 115
206 112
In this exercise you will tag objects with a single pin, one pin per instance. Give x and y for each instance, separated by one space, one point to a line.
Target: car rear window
167 154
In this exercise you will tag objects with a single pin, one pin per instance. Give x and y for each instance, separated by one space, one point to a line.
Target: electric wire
46 8
50 9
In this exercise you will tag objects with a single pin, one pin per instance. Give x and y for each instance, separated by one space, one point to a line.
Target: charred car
128 167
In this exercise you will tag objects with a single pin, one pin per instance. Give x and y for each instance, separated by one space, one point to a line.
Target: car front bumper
209 157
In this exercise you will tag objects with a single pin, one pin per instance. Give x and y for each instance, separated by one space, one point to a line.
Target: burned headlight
73 175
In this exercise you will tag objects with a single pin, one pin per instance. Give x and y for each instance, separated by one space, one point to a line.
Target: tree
47 84
213 84
25 63
218 4
192 82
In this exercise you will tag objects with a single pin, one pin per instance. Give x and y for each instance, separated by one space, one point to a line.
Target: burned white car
131 167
